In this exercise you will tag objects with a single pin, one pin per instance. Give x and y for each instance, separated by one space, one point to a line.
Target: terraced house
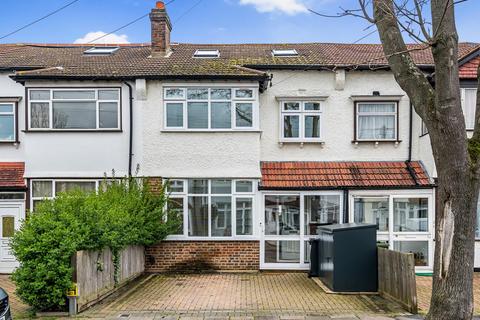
260 143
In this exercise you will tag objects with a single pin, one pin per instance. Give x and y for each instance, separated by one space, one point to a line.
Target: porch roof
343 175
11 175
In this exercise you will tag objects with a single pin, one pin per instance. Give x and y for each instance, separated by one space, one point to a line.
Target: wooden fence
94 273
396 278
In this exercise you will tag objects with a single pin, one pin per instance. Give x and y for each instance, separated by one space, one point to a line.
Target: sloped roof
11 175
331 175
235 61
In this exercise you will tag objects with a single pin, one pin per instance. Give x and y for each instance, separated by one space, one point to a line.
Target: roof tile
11 175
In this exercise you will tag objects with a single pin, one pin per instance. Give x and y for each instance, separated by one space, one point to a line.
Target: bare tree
437 101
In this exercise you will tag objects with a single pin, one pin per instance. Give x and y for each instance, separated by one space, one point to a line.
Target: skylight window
101 50
284 53
206 53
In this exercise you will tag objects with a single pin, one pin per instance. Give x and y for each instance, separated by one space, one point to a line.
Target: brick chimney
161 28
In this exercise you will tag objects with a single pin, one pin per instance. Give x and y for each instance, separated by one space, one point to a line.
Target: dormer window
101 50
200 53
284 53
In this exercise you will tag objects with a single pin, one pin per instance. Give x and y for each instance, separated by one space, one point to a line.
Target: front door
10 215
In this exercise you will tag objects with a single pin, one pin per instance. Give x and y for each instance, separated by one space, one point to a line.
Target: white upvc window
469 103
74 109
376 121
213 208
41 189
7 122
210 108
301 121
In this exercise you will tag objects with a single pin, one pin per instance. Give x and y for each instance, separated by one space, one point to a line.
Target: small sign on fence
73 291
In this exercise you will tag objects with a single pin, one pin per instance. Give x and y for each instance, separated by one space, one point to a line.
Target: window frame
14 113
302 114
233 104
463 101
357 115
97 128
185 194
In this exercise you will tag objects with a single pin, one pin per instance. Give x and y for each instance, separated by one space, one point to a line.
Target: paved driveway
244 295
19 309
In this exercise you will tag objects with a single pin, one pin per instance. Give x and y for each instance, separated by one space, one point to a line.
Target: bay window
7 122
213 109
376 121
213 207
301 121
74 109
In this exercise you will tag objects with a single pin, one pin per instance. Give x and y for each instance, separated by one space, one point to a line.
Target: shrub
123 212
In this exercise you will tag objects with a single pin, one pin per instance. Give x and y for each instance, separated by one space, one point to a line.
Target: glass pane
6 108
74 94
291 126
469 105
174 114
376 127
174 93
198 115
11 196
221 216
376 107
282 215
244 115
198 186
418 248
197 94
221 115
372 210
65 186
8 227
282 251
198 216
244 93
39 115
175 205
320 210
307 252
222 186
35 204
312 126
291 106
74 115
220 94
42 189
108 115
410 215
175 186
244 221
7 125
314 106
107 94
244 186
39 94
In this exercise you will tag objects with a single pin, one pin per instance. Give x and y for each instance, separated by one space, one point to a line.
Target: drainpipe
130 137
345 206
410 134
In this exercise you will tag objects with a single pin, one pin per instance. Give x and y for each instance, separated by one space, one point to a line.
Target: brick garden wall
193 256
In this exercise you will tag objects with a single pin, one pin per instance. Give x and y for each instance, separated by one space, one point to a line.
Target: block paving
19 309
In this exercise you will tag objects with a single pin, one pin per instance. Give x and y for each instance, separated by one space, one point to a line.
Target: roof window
201 53
284 53
101 50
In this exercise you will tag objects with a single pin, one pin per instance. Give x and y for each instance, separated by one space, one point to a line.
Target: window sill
302 142
74 131
233 238
208 131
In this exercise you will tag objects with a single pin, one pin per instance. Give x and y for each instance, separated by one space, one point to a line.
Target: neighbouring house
260 143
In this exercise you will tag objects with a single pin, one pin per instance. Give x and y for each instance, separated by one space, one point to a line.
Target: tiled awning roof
11 175
342 175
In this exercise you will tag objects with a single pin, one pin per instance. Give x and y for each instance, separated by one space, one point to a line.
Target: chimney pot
160 5
161 28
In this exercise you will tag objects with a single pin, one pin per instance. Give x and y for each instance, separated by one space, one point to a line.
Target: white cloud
111 38
290 7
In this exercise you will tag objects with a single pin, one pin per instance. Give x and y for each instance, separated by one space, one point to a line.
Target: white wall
338 120
67 154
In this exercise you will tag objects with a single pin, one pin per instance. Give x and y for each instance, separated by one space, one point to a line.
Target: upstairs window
74 109
376 121
301 121
7 122
215 109
469 103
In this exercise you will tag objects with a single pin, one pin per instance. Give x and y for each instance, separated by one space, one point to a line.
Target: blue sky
204 21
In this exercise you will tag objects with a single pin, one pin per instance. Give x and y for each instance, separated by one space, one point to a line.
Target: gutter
417 186
130 136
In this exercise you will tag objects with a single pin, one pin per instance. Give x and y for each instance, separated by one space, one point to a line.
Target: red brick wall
191 256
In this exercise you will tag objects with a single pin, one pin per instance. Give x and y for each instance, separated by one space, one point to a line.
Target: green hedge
123 212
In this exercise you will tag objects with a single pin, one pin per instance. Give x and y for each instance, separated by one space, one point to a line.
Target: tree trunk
440 109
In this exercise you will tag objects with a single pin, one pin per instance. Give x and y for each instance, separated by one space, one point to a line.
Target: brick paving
18 307
265 296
